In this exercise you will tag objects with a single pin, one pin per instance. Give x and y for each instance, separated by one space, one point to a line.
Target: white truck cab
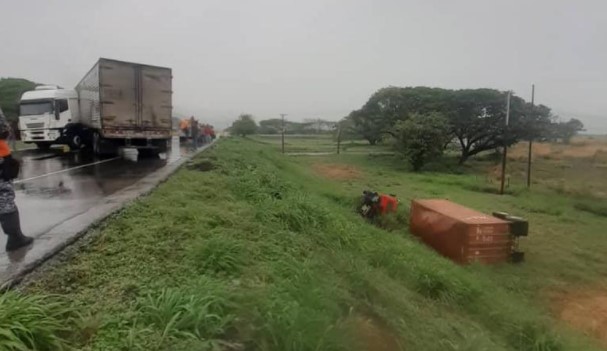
46 114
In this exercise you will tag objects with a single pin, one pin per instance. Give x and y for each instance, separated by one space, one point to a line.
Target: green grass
36 322
319 143
259 252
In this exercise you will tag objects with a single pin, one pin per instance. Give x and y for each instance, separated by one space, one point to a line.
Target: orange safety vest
5 150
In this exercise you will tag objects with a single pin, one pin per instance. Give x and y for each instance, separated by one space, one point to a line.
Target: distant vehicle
116 104
126 104
49 115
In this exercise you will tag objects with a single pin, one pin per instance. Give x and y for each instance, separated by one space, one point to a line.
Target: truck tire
148 153
75 142
162 145
43 146
102 147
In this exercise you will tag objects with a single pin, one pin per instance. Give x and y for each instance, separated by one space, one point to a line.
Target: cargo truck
126 104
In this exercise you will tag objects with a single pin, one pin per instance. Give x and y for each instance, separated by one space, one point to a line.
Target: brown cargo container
460 233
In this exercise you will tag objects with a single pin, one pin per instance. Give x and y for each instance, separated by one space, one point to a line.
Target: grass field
321 143
248 249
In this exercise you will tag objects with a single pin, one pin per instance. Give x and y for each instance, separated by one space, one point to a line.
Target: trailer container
460 233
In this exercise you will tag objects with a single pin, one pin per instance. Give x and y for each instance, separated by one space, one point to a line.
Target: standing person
194 132
207 134
9 214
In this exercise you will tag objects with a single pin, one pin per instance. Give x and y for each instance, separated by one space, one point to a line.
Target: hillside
11 90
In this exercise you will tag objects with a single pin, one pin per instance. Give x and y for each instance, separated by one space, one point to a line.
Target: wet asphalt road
54 186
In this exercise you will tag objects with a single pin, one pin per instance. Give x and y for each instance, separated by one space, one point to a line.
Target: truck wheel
43 146
148 153
163 146
76 142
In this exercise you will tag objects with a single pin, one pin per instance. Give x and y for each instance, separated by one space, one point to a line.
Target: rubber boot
11 226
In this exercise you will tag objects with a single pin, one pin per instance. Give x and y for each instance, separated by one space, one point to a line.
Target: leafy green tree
567 130
478 119
11 90
389 105
345 129
476 116
270 126
244 125
421 137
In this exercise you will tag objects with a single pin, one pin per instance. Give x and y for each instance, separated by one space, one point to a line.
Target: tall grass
35 322
258 254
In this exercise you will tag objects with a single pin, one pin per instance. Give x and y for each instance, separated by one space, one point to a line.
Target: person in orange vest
184 126
207 134
9 213
194 129
374 204
387 203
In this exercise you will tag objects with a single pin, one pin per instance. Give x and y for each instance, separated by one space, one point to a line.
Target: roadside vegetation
247 249
11 90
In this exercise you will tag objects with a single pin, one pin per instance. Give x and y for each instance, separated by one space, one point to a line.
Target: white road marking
65 170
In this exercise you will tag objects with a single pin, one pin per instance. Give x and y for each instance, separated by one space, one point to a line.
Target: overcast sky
320 58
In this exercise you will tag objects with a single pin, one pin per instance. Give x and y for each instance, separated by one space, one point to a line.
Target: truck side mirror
57 108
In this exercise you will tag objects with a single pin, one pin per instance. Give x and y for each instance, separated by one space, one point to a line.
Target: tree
270 126
421 137
389 105
567 130
11 90
346 130
478 119
476 116
244 125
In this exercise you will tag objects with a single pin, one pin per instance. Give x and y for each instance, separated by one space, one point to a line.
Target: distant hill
10 93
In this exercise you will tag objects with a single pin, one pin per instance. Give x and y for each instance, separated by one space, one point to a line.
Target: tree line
422 121
246 125
11 90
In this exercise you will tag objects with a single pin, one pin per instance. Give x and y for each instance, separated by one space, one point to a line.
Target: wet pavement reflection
54 186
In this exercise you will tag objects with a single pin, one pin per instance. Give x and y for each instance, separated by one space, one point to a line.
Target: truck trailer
124 104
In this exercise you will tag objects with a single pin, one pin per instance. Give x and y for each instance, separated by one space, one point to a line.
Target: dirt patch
202 165
373 335
337 171
586 311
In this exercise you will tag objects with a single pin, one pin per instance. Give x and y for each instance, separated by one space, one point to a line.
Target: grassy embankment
264 252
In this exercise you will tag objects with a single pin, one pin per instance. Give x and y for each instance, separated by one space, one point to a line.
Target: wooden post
338 137
505 155
530 141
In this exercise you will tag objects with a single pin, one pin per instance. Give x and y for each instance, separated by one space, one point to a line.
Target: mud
201 165
586 311
373 335
337 171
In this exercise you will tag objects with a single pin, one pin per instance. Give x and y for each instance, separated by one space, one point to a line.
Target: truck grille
35 125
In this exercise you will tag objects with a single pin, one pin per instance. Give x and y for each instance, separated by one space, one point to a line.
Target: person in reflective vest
9 213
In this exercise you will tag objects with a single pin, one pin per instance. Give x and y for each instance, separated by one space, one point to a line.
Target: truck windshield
35 108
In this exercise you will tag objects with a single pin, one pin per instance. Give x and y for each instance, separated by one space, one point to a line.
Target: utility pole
505 155
338 137
530 139
282 116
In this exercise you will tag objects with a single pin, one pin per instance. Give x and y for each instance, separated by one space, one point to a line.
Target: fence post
338 138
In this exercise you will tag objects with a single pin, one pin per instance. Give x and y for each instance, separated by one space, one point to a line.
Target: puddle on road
44 192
